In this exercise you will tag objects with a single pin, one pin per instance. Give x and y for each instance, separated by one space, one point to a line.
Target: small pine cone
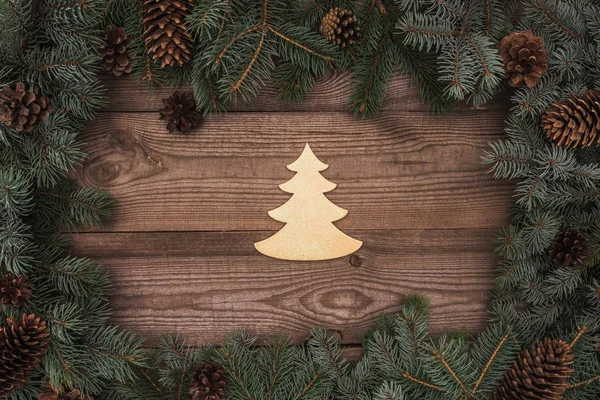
114 52
23 344
21 108
180 112
48 392
540 372
524 59
209 382
340 27
569 248
574 122
14 291
165 32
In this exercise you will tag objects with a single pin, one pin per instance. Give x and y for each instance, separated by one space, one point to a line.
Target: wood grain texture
402 170
330 94
180 248
203 285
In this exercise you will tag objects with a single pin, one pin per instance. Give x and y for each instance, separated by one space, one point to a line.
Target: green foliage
274 370
449 366
464 34
407 362
51 46
239 46
380 55
556 188
448 48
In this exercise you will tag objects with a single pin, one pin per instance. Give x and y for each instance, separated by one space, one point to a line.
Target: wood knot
122 140
345 302
355 261
123 159
101 172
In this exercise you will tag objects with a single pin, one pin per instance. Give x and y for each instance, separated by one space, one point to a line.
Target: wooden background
180 249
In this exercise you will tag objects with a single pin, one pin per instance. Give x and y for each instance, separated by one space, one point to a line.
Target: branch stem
583 383
298 44
234 40
411 378
492 358
580 331
440 358
238 84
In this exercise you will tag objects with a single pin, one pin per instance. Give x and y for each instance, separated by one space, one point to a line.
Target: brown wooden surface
330 93
180 249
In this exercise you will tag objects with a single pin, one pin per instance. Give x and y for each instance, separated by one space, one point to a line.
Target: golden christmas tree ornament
309 233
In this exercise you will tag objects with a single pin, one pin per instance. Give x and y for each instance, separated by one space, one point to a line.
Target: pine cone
574 122
208 382
23 343
47 392
340 27
14 290
180 112
114 51
524 59
166 38
568 248
21 108
540 372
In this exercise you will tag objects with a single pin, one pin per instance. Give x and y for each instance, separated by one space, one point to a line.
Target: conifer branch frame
53 48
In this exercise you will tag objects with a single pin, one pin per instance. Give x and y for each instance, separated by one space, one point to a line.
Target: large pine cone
114 52
574 122
21 108
14 291
209 382
540 372
568 248
180 112
48 392
166 38
524 59
23 344
340 27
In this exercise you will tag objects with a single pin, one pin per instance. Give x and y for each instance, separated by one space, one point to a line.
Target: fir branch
293 42
236 376
540 6
583 383
490 361
151 381
440 357
180 387
488 18
581 330
239 83
310 384
234 40
68 63
411 378
385 351
371 76
63 6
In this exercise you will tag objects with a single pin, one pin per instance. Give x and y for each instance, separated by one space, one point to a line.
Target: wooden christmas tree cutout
309 233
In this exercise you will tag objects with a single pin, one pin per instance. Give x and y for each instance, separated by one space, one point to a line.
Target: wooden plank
331 93
398 171
352 353
203 285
